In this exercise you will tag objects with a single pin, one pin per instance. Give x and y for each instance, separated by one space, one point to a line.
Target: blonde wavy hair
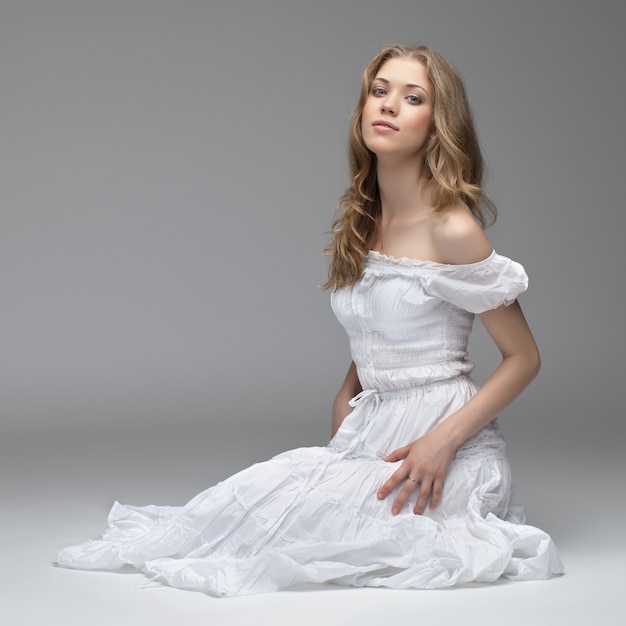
453 165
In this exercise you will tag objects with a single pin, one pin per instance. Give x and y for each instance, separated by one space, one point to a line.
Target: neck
401 188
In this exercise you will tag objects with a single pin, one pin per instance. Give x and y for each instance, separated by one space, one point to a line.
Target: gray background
169 173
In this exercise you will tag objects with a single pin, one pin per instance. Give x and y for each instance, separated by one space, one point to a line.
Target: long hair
452 167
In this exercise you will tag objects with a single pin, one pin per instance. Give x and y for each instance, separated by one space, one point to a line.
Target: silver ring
412 480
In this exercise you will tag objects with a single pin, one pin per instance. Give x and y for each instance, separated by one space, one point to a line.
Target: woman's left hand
426 463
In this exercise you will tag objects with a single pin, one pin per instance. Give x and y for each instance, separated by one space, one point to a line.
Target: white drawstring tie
362 395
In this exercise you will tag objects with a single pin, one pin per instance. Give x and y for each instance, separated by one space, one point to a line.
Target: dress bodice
408 321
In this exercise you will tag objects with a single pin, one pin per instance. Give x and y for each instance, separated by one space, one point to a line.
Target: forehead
405 71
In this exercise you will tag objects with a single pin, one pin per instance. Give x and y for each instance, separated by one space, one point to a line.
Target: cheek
422 124
368 109
369 114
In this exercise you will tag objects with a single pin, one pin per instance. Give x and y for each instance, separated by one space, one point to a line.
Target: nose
388 106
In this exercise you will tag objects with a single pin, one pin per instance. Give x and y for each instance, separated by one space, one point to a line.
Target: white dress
311 515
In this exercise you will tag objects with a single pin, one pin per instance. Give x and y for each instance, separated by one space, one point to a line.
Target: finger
435 499
397 455
392 482
403 496
424 496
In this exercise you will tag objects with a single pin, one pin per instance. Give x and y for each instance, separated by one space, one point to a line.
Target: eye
378 91
413 99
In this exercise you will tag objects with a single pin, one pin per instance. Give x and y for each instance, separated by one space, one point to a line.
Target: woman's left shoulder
459 238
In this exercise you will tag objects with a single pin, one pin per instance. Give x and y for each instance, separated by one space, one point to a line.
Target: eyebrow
410 85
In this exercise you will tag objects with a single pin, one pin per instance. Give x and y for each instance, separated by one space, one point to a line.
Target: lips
384 124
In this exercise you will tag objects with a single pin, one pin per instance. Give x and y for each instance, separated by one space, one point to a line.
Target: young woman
414 489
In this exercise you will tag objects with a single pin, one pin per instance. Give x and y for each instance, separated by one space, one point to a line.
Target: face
398 112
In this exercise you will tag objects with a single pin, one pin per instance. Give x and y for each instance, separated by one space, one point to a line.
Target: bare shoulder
459 238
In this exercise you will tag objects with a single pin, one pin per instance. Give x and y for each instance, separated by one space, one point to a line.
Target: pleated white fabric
311 515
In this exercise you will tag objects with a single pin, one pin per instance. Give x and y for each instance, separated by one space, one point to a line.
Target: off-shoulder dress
311 515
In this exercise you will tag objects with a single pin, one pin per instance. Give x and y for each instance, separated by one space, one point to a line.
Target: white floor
56 490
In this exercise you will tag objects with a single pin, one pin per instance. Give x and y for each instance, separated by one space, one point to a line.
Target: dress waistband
377 395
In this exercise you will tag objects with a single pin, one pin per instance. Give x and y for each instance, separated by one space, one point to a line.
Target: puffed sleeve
478 287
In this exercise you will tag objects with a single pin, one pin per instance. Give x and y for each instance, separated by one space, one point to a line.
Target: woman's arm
520 364
351 386
427 459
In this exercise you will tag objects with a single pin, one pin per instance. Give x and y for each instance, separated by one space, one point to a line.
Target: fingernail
394 511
